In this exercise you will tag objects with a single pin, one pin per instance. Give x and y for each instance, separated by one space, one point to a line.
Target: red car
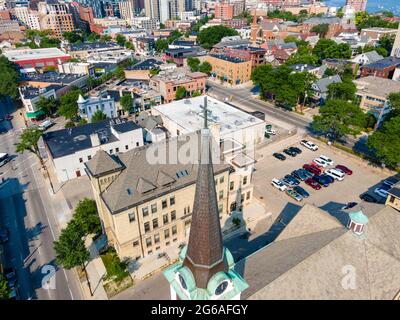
344 169
312 168
313 184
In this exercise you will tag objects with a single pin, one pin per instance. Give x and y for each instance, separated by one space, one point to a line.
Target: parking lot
364 179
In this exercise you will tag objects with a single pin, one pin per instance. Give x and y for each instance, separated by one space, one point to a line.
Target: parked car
290 152
295 149
270 131
349 205
300 174
278 184
344 169
293 194
391 181
336 174
368 198
326 159
307 173
4 235
320 163
327 178
46 124
290 181
309 145
301 191
312 168
321 180
382 190
279 156
313 184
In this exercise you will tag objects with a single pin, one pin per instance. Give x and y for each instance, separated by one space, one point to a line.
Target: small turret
357 223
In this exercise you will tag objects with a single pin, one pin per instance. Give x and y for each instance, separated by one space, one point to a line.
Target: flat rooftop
145 65
384 63
226 58
33 54
53 77
94 46
69 141
377 86
188 114
32 92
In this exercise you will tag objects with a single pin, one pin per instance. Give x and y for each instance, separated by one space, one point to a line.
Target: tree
4 288
161 45
196 93
29 142
47 105
126 102
385 142
193 64
180 93
120 39
345 90
68 104
205 67
129 45
73 37
98 116
210 36
338 118
105 38
9 79
87 217
321 29
326 48
92 37
154 71
385 44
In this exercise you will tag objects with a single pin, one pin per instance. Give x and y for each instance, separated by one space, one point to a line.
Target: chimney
358 221
94 138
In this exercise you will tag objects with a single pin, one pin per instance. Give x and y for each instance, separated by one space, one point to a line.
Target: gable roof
102 163
323 83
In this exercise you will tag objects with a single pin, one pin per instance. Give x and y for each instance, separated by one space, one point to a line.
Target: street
30 214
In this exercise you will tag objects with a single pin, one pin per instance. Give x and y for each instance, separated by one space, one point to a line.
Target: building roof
384 63
103 163
53 77
373 56
125 192
377 86
227 58
395 190
232 43
32 92
322 20
33 54
68 141
188 114
323 83
94 46
309 261
145 65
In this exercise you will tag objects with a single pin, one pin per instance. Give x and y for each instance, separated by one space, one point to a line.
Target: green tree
47 105
98 116
154 71
105 38
326 48
126 102
386 42
92 37
120 73
68 104
321 29
69 124
196 93
180 93
210 36
87 217
120 39
73 37
129 45
345 90
338 118
4 288
29 140
205 67
193 64
9 78
161 45
47 42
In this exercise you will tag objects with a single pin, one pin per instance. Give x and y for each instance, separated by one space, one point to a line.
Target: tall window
154 208
173 215
221 194
145 211
148 242
166 233
174 230
156 238
164 204
131 217
172 201
245 180
155 223
221 180
165 218
231 185
147 227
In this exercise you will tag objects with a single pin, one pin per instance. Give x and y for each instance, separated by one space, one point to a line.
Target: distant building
141 70
55 16
384 68
89 106
321 89
224 10
31 95
358 5
69 149
373 34
83 50
146 23
367 58
9 26
76 68
180 55
37 58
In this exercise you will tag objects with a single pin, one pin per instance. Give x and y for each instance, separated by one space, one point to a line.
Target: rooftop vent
357 223
129 191
182 173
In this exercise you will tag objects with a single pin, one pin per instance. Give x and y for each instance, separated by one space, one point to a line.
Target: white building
225 121
245 33
70 148
28 17
115 56
76 68
146 23
89 106
31 95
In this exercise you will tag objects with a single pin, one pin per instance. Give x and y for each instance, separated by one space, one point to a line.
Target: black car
290 181
279 156
299 174
321 180
368 198
301 191
295 149
328 178
290 152
349 205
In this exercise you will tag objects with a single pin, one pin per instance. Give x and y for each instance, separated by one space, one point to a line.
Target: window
220 208
116 149
135 243
150 252
167 243
148 242
164 204
172 201
392 199
137 144
231 185
174 230
244 180
156 238
155 223
216 181
80 160
248 195
166 233
131 217
126 147
165 218
89 157
221 194
154 208
174 240
147 227
145 212
173 215
111 151
221 180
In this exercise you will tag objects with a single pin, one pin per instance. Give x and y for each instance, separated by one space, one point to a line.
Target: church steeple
204 255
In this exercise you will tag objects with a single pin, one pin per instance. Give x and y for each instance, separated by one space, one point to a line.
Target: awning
33 115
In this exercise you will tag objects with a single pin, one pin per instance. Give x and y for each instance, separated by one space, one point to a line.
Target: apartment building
89 106
27 17
224 10
146 207
229 69
55 16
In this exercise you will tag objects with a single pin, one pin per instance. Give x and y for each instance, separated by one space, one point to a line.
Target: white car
309 145
46 124
278 184
270 131
320 162
335 174
326 159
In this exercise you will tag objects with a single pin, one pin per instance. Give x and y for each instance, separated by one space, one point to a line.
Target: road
243 96
30 214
